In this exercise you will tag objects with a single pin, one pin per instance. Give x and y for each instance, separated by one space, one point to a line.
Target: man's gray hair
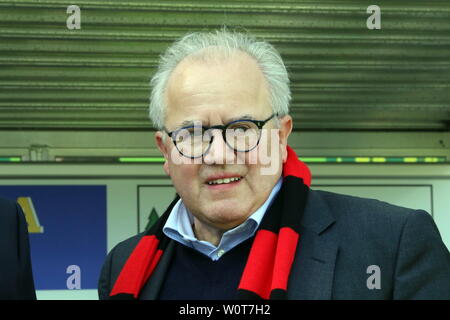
227 42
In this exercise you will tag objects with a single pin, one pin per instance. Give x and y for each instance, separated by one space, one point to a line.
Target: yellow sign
30 215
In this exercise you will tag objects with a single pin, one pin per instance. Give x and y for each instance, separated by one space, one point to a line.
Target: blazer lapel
150 291
313 268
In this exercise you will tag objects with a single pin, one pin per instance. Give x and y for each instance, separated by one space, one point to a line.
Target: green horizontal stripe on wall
373 159
10 159
146 159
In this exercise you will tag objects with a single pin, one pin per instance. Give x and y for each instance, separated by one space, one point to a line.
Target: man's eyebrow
244 117
188 123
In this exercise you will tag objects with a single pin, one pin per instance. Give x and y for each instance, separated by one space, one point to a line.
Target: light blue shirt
179 228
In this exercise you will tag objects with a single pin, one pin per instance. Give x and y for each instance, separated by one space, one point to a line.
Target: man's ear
285 131
160 142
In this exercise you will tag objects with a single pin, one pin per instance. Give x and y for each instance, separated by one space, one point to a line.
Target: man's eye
240 129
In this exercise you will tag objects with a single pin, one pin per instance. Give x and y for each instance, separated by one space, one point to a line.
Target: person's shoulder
9 212
370 224
125 247
114 263
7 206
373 213
118 256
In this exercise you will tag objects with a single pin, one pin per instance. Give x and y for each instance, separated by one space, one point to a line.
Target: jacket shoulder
369 225
403 242
16 278
12 221
365 210
114 262
8 209
124 248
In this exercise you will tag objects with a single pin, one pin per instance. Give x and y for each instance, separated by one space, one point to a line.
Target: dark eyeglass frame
259 124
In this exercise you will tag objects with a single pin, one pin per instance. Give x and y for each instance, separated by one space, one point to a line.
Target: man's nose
219 152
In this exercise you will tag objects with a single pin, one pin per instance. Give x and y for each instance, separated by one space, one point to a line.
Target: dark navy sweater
192 275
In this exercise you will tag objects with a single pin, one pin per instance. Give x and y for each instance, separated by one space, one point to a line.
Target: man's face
215 93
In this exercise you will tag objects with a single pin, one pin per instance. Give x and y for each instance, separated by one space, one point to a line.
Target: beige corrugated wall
344 76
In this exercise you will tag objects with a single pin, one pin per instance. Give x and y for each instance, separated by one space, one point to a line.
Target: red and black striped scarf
267 270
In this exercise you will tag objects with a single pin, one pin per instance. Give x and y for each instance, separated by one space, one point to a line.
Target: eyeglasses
240 135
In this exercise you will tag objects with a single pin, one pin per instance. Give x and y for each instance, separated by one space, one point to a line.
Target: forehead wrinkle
232 63
187 93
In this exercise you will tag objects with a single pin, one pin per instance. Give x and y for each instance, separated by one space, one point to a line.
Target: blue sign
67 226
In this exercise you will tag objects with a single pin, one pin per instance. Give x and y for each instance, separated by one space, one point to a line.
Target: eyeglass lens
194 141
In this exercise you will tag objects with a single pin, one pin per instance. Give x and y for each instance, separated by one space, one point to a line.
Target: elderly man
243 227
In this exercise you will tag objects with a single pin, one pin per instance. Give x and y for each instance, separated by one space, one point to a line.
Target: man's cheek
269 153
252 157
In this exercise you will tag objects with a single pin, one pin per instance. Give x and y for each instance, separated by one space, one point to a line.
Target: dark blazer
341 237
16 277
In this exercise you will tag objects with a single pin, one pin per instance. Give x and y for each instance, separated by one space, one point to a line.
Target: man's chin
228 219
229 224
225 207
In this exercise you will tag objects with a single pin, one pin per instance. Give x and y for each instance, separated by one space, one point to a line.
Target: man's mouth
224 181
